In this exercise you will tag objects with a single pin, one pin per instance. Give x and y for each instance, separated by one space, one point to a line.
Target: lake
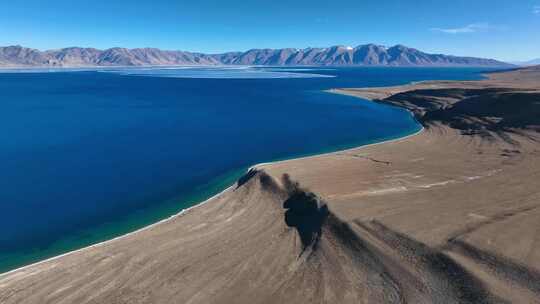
88 155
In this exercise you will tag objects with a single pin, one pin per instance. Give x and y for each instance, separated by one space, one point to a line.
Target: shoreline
387 141
339 91
186 210
340 149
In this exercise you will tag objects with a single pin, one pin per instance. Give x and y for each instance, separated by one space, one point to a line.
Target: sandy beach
449 215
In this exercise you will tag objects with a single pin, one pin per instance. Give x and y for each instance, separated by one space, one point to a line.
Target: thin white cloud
536 10
471 28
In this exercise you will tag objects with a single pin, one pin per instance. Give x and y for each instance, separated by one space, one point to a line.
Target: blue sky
507 30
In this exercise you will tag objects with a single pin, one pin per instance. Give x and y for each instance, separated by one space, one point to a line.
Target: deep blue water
85 156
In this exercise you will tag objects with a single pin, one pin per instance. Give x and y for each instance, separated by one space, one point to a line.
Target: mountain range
363 55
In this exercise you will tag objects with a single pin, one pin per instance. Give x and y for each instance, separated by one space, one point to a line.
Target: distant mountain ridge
363 55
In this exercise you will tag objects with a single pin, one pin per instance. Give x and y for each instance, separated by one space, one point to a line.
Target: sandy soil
451 215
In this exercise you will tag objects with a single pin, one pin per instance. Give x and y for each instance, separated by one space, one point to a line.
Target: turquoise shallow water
86 156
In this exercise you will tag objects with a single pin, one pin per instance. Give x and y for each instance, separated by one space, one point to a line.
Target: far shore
99 67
